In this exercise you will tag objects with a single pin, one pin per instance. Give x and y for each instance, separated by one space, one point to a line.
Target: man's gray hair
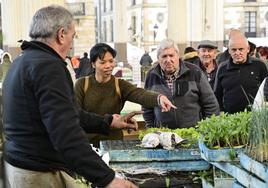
48 20
166 43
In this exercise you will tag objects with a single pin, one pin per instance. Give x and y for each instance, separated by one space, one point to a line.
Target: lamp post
155 31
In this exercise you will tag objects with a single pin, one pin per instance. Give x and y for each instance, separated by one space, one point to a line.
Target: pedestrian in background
207 55
5 64
262 54
146 63
191 55
85 67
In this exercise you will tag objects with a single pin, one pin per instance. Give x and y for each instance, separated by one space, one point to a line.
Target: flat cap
207 44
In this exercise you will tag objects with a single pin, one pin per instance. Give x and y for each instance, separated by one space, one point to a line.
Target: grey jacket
192 95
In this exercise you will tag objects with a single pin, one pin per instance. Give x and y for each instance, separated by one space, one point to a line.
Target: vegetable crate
219 155
245 178
130 155
220 180
248 173
260 170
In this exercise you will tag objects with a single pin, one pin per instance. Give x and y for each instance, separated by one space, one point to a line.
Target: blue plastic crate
244 177
218 155
237 185
255 167
128 154
162 165
130 151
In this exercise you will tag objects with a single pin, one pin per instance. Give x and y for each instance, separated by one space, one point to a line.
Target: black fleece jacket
236 85
44 130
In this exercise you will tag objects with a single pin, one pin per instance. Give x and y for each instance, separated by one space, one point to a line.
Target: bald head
237 38
238 47
234 32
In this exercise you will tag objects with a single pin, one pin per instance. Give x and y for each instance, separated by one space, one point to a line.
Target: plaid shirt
170 79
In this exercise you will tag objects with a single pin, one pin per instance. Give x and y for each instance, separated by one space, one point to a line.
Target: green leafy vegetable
225 130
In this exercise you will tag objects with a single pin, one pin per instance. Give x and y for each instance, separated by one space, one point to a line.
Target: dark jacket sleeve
207 99
94 123
62 122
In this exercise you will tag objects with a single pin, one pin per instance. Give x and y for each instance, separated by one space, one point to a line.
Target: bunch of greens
189 134
257 146
225 130
142 133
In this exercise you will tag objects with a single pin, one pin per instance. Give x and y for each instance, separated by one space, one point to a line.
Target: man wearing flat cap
207 54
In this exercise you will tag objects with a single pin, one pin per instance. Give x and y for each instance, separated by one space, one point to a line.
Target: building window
133 2
250 23
104 31
111 5
250 1
77 9
112 30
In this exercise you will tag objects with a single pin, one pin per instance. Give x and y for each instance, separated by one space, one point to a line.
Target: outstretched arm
165 103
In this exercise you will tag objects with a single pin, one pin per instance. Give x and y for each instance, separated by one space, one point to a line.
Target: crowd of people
53 103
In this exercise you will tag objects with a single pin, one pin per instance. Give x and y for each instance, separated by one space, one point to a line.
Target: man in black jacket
238 79
44 137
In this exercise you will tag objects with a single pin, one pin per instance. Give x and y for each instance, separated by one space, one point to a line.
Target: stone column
205 21
190 21
177 22
16 19
120 30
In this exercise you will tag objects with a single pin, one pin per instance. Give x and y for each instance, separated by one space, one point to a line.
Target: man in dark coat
184 84
45 140
238 79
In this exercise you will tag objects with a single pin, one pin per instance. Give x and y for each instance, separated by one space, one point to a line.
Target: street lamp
155 31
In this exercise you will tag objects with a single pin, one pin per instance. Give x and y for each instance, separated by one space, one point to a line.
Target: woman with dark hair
102 93
263 53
